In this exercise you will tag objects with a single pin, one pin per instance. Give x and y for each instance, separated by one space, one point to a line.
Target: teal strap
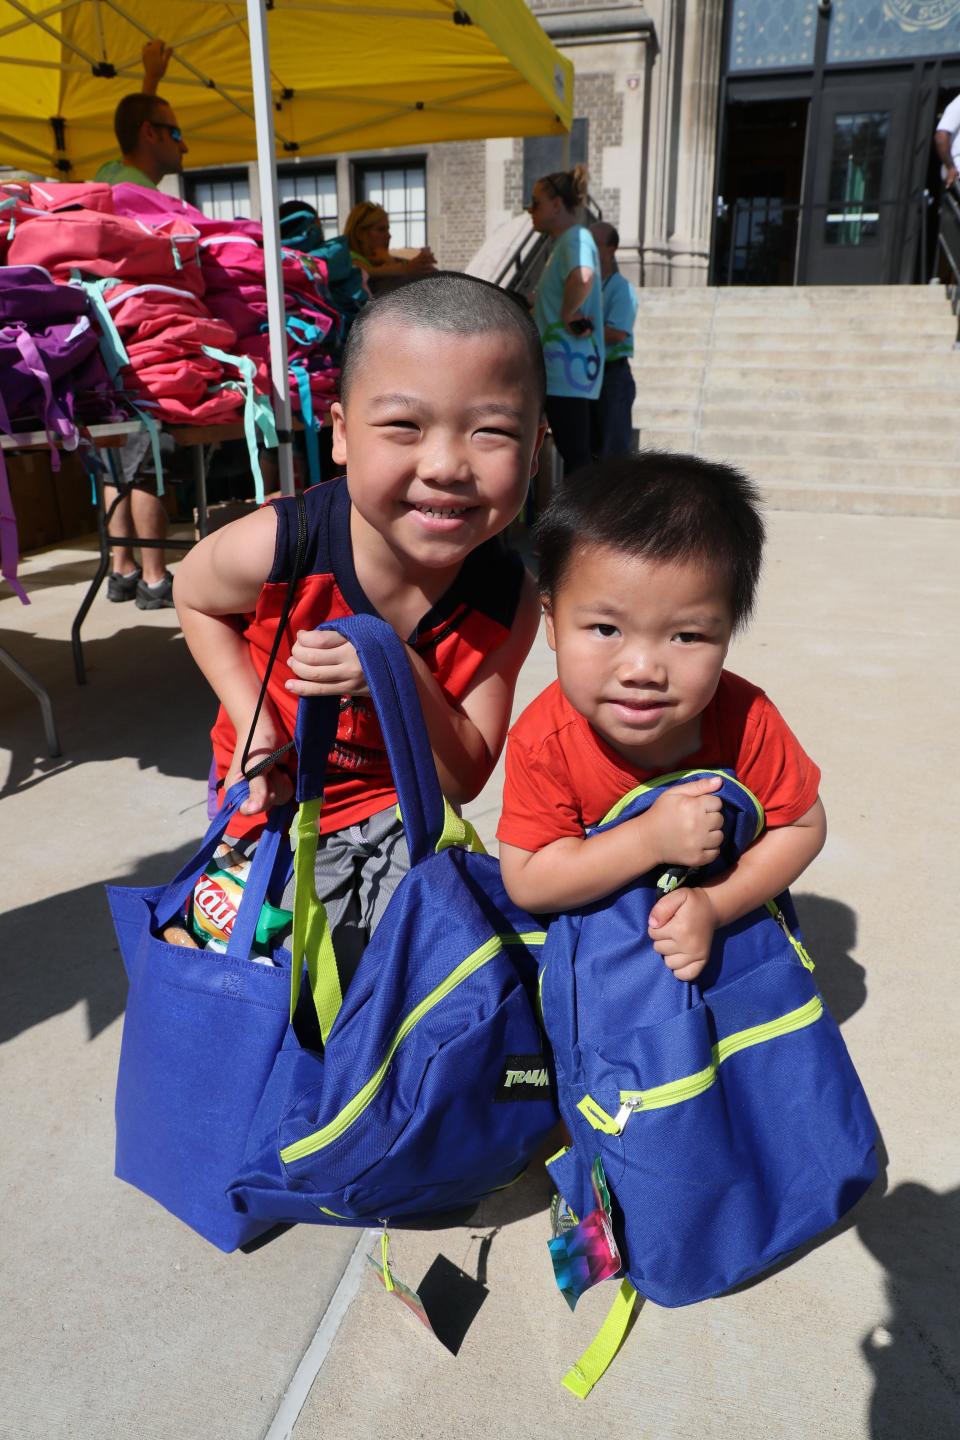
299 373
251 411
596 1359
112 348
150 425
10 204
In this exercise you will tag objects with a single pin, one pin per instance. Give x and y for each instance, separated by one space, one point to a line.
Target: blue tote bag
200 1035
429 1087
728 1118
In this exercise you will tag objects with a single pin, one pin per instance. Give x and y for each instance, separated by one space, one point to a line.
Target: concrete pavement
119 1319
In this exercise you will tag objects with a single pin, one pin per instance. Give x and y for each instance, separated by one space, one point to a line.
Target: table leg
200 481
46 706
92 469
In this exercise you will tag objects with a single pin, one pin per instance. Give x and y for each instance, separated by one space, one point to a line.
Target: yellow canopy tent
344 75
302 77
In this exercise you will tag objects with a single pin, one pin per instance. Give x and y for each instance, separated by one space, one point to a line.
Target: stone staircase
833 398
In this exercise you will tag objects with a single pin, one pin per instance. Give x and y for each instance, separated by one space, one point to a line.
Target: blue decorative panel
772 34
893 29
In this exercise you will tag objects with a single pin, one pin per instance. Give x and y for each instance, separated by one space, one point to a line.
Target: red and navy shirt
454 638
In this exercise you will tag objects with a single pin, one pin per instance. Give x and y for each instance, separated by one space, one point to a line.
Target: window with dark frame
316 185
221 194
400 186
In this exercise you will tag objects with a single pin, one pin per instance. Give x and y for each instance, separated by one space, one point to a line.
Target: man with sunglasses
152 146
151 142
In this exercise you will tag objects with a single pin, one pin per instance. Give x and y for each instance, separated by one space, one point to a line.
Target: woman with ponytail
568 311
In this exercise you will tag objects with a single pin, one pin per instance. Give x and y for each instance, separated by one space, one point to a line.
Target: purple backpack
51 376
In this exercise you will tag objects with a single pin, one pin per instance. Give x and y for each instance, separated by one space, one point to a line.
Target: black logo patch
525 1077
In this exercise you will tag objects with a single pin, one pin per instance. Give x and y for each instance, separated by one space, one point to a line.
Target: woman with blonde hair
568 310
368 234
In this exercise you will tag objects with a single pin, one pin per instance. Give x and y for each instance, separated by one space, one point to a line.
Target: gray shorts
356 873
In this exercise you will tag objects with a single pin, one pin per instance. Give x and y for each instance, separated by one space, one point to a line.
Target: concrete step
875 296
936 448
820 471
935 333
861 499
906 426
855 330
779 350
797 299
909 423
871 400
776 377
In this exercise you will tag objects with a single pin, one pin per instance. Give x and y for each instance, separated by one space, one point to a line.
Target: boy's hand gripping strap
393 691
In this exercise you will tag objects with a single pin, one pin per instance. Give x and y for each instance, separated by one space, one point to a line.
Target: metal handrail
948 243
530 257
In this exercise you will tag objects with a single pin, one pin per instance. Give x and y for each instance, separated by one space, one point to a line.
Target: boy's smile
440 436
640 647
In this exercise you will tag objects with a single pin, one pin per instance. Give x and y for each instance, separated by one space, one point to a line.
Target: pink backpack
91 242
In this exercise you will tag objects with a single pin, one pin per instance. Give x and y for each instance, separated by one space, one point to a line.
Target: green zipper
781 920
320 1139
674 1092
644 789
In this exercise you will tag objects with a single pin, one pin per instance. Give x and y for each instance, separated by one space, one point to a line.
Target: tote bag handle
262 867
393 691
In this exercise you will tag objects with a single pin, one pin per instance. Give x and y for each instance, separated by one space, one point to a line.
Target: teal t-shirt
114 172
574 362
619 312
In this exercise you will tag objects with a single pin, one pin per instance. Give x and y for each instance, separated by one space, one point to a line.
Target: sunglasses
175 132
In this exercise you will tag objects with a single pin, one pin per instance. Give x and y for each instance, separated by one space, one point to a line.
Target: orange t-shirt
562 778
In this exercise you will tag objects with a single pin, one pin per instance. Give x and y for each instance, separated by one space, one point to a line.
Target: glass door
854 216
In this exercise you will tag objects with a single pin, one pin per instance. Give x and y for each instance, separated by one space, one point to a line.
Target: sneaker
156 597
562 1217
122 587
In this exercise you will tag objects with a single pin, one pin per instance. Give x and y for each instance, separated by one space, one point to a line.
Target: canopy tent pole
273 263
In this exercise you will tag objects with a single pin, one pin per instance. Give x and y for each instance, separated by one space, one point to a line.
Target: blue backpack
729 1122
428 1087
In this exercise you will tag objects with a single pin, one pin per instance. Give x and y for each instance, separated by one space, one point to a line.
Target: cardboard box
34 500
74 498
221 512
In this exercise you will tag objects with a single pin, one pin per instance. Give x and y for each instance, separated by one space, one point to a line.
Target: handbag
202 1028
727 1118
200 1036
428 1086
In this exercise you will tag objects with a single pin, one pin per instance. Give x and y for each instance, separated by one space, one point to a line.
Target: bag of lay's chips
216 900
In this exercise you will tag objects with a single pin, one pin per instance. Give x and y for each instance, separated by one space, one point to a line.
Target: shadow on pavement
914 1233
63 950
144 698
830 932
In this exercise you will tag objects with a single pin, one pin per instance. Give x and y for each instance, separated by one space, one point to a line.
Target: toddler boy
439 425
649 565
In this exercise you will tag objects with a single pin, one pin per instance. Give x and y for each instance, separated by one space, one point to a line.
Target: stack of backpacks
174 302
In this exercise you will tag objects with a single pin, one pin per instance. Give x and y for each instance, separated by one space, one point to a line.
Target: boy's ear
547 608
339 433
537 446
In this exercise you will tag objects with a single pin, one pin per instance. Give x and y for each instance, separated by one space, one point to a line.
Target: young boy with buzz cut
648 566
439 426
